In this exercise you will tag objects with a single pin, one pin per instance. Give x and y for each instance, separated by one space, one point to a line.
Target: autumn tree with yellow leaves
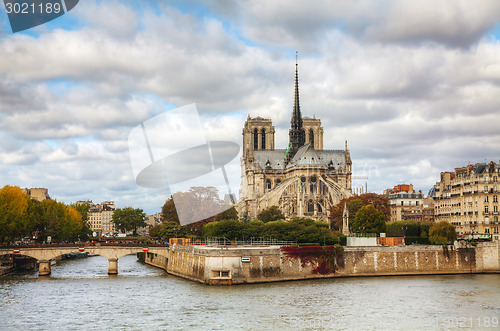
21 216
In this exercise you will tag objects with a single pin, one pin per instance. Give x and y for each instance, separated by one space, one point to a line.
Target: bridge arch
112 253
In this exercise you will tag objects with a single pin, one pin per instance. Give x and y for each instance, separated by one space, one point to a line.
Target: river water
79 295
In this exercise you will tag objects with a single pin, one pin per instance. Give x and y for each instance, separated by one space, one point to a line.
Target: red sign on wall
245 259
145 249
81 249
16 250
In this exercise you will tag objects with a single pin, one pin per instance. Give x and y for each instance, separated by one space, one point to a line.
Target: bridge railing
76 245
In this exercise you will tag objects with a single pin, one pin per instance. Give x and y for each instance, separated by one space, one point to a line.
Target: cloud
452 23
412 86
305 25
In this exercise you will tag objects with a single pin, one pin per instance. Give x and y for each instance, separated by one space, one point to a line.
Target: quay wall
240 264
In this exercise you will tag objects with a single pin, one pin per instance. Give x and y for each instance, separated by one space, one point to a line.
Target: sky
413 86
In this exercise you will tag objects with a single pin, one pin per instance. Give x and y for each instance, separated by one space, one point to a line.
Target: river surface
79 295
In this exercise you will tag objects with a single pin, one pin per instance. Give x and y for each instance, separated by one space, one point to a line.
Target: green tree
301 230
354 204
368 220
442 233
408 228
128 219
230 214
52 221
270 214
168 212
168 230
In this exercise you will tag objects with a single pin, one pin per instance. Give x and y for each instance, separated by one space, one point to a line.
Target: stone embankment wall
6 270
239 265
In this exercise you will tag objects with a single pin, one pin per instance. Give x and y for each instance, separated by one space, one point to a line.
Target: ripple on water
80 295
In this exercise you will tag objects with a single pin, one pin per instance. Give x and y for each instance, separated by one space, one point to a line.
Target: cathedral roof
270 159
305 156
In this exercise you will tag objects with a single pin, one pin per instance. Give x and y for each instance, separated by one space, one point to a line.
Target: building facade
468 199
151 220
39 194
407 204
303 180
100 217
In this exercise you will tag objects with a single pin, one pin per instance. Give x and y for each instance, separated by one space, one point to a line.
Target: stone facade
240 265
407 204
468 199
39 194
303 180
100 217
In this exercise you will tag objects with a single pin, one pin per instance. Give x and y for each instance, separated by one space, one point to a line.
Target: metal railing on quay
214 242
363 235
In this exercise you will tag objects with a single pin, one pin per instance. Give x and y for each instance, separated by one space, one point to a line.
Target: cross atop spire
297 136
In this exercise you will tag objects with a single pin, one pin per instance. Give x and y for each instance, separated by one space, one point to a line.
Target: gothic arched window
311 137
268 184
255 139
313 185
263 139
310 206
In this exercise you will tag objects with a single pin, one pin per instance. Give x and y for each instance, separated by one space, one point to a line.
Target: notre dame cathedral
303 180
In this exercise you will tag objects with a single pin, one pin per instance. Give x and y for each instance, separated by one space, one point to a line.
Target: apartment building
100 217
407 204
468 199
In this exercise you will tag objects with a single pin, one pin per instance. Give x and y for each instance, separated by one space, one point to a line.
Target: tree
21 216
83 209
408 228
230 229
168 230
14 219
368 220
270 214
74 223
380 202
199 203
442 233
52 222
168 212
230 214
128 219
301 230
354 204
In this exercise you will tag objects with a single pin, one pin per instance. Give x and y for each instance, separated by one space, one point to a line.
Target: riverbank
242 265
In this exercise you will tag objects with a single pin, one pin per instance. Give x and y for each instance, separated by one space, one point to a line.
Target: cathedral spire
297 136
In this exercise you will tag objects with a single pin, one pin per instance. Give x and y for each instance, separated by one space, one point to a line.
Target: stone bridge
112 253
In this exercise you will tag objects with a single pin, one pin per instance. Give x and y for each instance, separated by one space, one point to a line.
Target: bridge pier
113 266
44 268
